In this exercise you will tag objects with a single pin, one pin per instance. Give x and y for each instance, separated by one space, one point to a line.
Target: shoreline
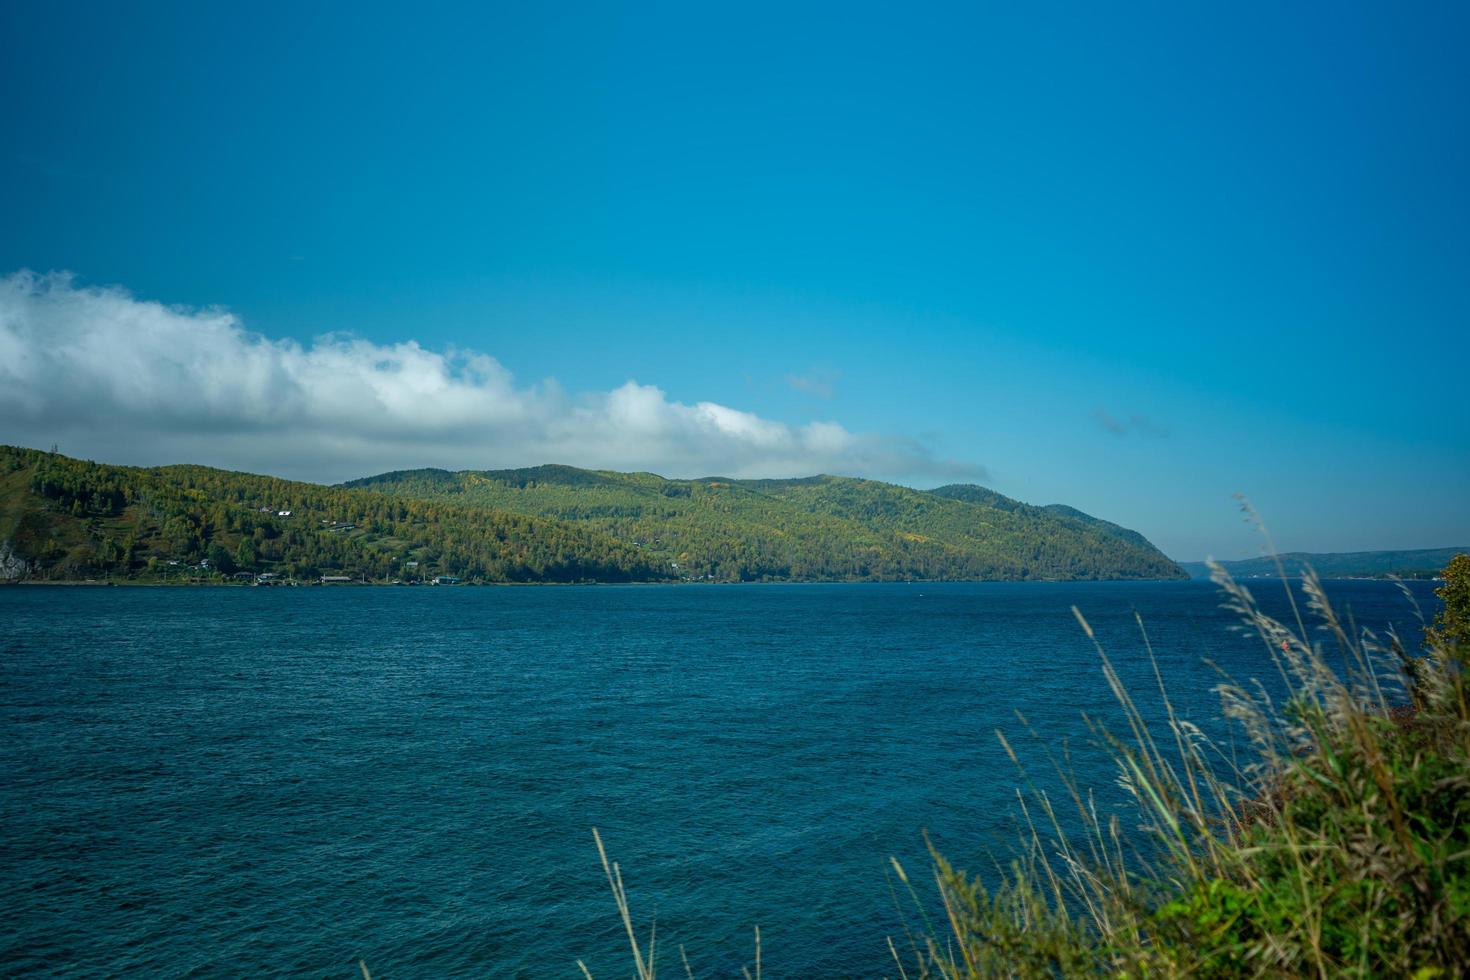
125 583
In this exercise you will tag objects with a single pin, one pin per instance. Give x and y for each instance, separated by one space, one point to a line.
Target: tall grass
1328 837
1339 847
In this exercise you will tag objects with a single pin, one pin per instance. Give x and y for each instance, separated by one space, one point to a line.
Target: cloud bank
108 376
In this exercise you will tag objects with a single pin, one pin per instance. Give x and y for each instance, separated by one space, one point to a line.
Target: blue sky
1134 261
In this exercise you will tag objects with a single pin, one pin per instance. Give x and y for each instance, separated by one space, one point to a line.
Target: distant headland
64 519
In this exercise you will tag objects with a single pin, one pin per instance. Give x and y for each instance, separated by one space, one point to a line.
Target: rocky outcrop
12 566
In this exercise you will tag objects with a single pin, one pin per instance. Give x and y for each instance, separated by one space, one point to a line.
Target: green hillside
814 528
66 519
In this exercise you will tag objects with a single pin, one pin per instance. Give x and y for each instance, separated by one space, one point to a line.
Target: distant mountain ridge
807 528
66 519
69 519
1341 564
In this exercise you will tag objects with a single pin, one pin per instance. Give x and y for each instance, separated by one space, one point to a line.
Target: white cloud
109 376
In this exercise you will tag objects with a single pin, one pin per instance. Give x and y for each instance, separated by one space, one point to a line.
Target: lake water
229 782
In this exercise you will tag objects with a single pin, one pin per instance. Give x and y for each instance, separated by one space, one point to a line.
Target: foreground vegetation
1334 842
64 519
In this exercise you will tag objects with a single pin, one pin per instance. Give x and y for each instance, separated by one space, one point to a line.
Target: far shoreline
95 583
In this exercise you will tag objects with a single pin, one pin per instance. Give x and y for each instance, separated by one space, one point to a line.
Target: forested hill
66 519
980 495
815 528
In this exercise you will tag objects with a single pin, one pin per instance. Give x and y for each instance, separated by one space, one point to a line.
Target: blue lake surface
228 782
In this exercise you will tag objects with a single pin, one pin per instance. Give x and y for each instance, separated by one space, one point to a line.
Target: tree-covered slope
68 519
820 527
63 518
